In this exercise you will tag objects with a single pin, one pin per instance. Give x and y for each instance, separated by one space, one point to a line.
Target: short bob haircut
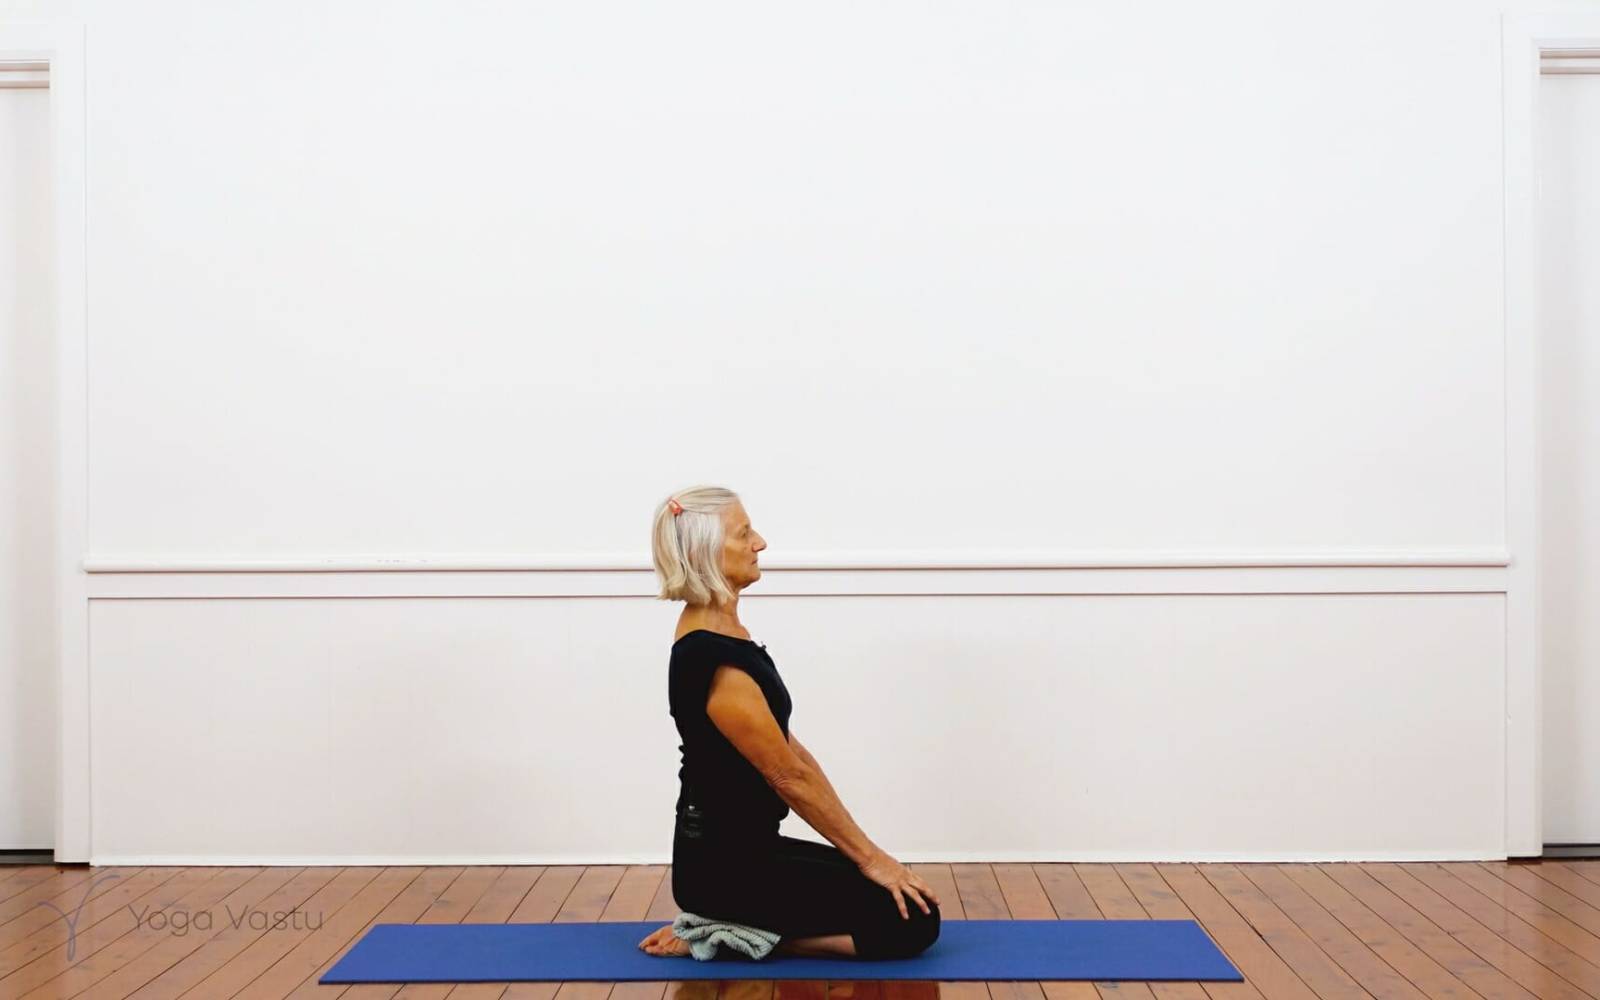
688 546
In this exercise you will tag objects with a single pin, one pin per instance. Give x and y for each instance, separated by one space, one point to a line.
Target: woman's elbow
790 779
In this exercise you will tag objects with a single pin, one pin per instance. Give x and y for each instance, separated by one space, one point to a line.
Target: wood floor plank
496 907
1245 948
1532 895
548 895
1349 951
1068 895
1112 898
1025 899
943 881
313 955
1028 896
1024 896
1410 931
286 891
503 897
1293 945
590 895
1552 941
695 989
981 899
806 989
664 908
745 989
1161 903
248 885
31 878
1483 940
900 989
465 896
584 905
1389 943
103 950
22 915
286 931
1563 877
9 872
1109 893
105 903
636 893
87 940
405 908
979 890
449 905
1324 881
541 905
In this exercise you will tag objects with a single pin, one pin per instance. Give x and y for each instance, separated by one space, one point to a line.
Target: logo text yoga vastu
179 922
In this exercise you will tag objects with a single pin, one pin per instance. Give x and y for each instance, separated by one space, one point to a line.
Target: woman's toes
663 942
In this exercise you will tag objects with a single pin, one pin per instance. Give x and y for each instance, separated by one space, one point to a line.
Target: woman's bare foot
663 942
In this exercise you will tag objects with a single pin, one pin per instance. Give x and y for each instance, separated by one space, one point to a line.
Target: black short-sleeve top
714 776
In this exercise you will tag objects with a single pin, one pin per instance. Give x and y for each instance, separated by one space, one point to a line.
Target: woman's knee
900 937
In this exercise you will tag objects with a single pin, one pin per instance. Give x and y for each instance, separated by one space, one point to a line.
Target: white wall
491 281
372 282
1282 726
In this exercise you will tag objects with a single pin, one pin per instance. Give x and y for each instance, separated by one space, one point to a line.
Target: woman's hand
900 881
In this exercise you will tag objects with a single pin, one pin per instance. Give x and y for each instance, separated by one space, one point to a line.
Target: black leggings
795 888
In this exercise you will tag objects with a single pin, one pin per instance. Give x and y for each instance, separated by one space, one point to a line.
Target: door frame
1525 37
60 46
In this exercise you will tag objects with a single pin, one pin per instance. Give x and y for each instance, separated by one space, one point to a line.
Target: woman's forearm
809 793
805 755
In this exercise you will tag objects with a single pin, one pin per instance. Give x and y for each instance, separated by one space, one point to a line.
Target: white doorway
1569 433
28 468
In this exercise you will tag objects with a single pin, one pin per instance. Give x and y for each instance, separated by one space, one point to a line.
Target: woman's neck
718 619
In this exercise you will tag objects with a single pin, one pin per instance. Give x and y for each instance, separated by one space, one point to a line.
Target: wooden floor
1297 932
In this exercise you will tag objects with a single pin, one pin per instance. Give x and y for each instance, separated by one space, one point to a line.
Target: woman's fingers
920 901
901 891
901 881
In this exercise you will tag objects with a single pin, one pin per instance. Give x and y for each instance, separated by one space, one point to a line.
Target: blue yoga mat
1025 950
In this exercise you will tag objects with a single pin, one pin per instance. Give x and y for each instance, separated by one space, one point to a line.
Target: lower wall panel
1156 727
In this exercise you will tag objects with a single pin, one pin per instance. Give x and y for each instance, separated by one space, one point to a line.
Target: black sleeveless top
729 792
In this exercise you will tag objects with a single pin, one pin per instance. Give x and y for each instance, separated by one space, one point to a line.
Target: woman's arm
805 755
739 711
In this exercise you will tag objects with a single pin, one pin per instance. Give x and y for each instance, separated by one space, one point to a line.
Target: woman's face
740 543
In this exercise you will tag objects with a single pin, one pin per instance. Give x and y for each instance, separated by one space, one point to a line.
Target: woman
743 769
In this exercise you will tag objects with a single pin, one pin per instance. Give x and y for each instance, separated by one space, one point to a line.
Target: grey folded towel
705 934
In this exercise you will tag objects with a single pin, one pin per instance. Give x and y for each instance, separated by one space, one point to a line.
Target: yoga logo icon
72 921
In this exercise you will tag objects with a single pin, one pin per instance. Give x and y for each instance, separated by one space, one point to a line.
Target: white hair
688 546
